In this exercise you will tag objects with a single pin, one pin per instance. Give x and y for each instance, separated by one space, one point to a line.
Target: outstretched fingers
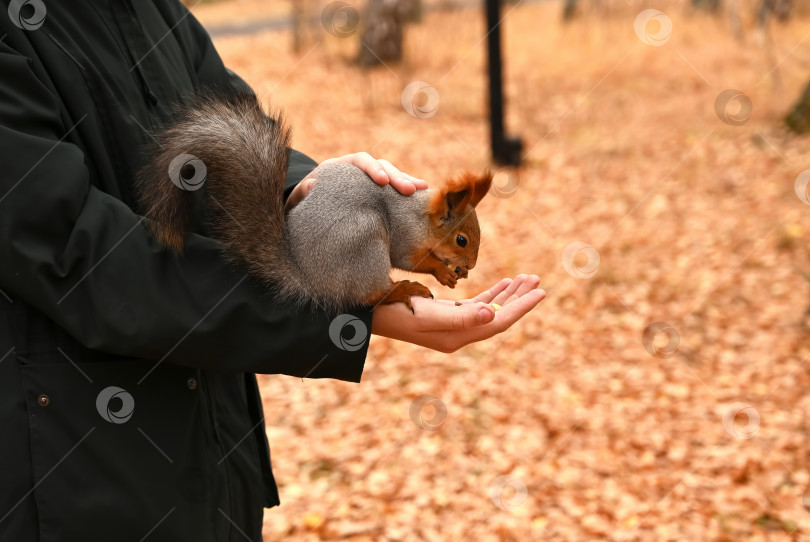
447 325
506 291
504 319
521 285
489 295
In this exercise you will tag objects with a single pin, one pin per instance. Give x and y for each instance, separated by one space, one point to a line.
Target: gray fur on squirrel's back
339 234
332 250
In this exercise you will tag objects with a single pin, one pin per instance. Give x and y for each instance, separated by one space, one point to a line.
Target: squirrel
336 247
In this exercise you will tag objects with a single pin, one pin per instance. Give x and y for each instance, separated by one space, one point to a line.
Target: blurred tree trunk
382 39
569 10
734 19
712 6
778 8
302 24
299 21
412 10
798 119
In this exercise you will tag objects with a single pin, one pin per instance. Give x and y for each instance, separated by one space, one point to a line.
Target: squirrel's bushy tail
225 146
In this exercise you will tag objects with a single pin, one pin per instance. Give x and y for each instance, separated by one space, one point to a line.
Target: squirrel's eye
461 240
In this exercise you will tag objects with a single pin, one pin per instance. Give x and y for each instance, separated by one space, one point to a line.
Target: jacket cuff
350 334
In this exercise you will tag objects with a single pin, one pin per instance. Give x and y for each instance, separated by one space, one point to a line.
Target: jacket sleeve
86 260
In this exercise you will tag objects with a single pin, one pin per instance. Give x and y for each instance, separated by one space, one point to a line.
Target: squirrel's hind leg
401 291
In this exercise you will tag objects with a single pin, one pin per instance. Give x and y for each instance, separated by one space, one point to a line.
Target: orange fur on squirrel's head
456 232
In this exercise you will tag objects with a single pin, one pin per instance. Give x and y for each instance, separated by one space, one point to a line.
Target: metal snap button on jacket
43 400
192 383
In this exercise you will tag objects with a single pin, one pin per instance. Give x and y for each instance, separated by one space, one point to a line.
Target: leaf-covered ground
576 424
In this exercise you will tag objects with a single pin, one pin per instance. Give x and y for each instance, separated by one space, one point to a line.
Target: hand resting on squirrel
335 248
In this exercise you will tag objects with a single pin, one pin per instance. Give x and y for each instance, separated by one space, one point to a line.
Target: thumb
299 193
309 184
469 315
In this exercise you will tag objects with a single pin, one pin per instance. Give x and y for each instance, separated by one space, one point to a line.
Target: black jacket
128 405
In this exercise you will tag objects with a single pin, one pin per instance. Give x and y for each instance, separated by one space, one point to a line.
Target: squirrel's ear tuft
458 193
480 186
468 189
457 200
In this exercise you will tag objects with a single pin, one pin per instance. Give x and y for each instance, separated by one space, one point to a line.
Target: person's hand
446 326
381 172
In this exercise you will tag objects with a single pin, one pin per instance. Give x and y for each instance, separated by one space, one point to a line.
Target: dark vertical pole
504 150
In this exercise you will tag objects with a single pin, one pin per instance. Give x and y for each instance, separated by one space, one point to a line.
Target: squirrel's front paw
446 275
402 291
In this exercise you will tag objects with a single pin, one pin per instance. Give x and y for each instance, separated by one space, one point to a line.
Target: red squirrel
336 247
